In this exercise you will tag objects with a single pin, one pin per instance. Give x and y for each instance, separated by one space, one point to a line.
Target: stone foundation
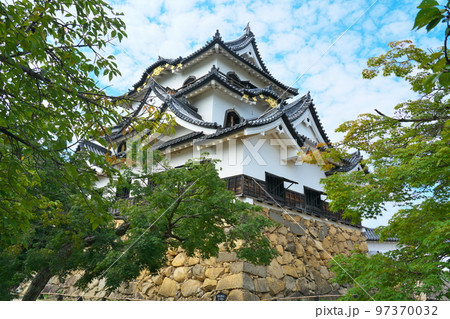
305 246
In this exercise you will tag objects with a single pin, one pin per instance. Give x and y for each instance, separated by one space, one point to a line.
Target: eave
213 77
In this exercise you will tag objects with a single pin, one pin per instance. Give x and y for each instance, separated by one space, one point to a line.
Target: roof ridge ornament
214 70
217 35
247 29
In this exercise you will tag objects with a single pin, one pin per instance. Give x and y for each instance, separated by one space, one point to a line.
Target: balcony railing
252 187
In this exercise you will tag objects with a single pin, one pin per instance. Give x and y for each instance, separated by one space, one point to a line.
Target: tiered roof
224 80
288 113
176 101
229 48
347 164
372 236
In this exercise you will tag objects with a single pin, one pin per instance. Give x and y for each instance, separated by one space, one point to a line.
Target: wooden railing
252 187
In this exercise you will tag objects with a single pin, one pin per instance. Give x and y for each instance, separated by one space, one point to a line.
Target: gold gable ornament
272 102
158 71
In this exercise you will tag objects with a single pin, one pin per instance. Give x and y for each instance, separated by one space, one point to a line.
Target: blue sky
293 37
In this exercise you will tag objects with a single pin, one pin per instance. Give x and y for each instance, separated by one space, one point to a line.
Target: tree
54 218
49 100
188 207
55 236
408 161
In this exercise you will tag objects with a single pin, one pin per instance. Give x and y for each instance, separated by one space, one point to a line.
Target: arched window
122 147
189 80
231 118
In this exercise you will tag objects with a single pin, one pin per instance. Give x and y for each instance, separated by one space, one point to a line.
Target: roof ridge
217 39
180 109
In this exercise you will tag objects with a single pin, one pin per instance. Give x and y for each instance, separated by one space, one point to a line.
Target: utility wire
148 228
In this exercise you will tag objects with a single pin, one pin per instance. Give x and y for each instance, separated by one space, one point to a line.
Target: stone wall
305 246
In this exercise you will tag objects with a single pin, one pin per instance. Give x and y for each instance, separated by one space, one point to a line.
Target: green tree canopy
48 53
188 207
54 217
408 160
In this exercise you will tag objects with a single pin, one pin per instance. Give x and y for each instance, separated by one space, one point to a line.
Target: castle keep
225 102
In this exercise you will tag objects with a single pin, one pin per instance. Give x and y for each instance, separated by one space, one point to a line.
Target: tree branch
5 131
435 118
184 216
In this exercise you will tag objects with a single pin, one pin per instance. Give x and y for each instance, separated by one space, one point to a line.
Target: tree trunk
37 284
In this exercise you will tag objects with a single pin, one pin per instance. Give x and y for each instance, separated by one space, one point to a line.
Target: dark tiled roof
371 236
268 90
215 74
188 114
247 39
179 140
161 61
347 164
300 139
230 47
298 107
318 123
92 147
272 115
225 131
181 109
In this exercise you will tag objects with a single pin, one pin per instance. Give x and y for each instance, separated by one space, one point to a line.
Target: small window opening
312 198
232 119
122 147
275 186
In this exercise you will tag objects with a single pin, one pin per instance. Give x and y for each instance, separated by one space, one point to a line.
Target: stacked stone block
305 247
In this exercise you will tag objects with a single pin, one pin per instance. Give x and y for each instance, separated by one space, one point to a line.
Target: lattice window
275 186
312 198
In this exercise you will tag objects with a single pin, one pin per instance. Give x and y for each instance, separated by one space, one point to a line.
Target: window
231 119
189 80
122 147
275 186
312 198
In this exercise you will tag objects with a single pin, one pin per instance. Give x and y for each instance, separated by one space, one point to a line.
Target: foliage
429 16
49 51
55 237
54 218
408 157
189 207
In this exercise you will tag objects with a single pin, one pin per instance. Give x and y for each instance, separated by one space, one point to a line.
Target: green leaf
426 16
433 23
439 65
429 82
428 3
444 79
